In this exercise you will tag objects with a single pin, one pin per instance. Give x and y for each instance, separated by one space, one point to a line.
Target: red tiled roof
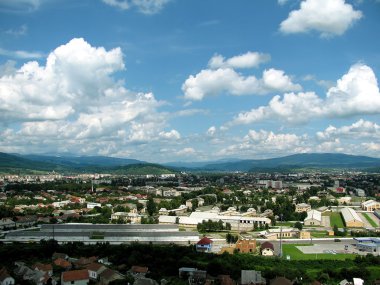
139 269
281 281
43 267
94 266
75 275
204 241
267 245
62 263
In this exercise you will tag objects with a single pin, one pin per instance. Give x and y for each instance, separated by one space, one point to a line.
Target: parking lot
333 248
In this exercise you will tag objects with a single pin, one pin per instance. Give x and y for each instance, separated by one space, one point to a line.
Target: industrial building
237 222
351 218
113 234
371 245
370 205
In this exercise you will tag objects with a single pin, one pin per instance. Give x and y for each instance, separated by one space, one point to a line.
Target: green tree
151 207
298 225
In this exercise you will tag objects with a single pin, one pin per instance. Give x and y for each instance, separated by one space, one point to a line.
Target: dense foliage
164 261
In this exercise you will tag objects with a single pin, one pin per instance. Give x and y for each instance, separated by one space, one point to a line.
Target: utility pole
280 235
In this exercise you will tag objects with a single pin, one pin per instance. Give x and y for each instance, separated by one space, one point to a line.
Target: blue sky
176 80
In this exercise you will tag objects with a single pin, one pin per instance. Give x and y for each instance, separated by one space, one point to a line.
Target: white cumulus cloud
171 135
356 93
328 17
247 60
74 104
148 7
210 82
358 130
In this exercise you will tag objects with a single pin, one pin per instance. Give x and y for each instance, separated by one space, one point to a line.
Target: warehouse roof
350 215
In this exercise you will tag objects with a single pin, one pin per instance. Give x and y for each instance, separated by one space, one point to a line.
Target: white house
314 218
91 205
302 207
370 205
94 269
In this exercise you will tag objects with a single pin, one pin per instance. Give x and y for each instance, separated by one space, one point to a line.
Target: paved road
367 224
374 218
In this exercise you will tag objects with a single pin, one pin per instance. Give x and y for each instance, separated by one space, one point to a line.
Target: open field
336 219
372 222
296 254
319 234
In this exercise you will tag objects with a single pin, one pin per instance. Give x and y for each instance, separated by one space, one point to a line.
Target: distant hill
10 163
101 164
13 164
297 161
82 161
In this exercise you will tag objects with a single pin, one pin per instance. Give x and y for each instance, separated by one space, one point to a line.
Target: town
332 216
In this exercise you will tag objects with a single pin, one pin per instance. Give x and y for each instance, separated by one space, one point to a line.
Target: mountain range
31 162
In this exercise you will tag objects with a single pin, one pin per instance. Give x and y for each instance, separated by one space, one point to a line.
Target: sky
200 80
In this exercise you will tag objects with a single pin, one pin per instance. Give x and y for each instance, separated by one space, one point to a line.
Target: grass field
372 222
296 254
319 234
336 219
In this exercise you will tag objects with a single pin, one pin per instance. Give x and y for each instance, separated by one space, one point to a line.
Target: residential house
252 277
145 281
5 278
184 272
225 280
197 277
60 262
314 218
358 281
344 200
281 281
130 217
246 245
45 268
34 276
75 277
302 207
6 223
84 261
204 245
57 255
251 212
267 249
138 271
108 276
94 270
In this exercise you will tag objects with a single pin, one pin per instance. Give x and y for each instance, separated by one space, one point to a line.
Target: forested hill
37 163
10 163
297 161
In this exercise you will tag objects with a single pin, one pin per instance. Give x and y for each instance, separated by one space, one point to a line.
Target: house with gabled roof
204 245
109 275
267 249
62 263
75 277
138 271
45 268
94 270
57 255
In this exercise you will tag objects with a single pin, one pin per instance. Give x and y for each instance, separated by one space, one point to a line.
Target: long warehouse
114 234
